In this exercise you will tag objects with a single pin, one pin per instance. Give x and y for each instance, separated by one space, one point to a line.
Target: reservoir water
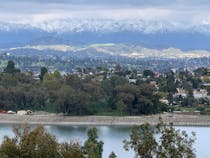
112 136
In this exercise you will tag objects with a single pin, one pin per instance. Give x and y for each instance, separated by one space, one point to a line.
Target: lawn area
203 110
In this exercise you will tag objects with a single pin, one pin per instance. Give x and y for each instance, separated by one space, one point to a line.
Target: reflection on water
113 136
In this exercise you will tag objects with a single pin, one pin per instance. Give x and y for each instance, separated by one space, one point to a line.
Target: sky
147 16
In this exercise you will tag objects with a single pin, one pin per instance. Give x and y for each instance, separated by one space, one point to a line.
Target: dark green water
113 137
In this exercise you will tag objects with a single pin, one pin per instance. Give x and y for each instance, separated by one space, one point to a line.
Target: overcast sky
138 15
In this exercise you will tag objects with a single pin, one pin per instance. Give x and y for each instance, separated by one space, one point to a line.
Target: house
158 74
205 84
181 92
154 83
164 101
132 81
200 93
99 78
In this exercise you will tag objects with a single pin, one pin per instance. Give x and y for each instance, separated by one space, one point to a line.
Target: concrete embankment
53 119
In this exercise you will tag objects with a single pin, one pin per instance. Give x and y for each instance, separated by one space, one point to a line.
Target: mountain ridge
180 40
112 49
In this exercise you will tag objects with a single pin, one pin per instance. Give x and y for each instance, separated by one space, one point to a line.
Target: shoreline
54 119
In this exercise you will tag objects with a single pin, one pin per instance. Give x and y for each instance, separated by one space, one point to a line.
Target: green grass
49 108
203 110
185 109
111 113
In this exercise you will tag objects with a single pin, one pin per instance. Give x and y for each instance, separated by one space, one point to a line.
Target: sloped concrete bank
54 119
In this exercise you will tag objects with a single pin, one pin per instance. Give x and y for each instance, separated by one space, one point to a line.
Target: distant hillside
105 50
180 40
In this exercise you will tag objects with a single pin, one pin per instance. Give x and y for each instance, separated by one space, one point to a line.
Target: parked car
11 112
3 112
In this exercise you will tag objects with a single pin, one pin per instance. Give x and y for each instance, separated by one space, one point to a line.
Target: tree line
74 95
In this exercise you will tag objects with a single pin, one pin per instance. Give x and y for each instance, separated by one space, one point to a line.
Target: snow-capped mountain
74 25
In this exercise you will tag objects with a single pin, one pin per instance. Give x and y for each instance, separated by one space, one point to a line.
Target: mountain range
160 40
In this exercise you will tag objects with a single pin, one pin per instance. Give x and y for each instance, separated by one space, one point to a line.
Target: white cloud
92 15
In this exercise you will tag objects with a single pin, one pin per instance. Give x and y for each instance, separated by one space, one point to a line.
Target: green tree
42 73
52 81
121 107
29 144
73 81
112 155
202 71
71 150
9 148
71 101
148 73
93 147
10 68
174 143
170 82
37 143
170 98
189 100
208 89
57 75
142 141
171 143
